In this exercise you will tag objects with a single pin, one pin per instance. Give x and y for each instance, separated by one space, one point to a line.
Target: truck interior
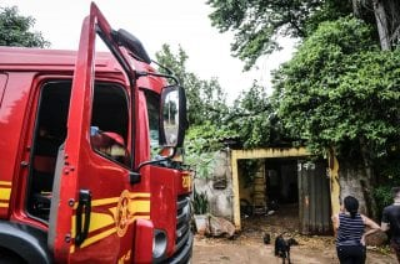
110 120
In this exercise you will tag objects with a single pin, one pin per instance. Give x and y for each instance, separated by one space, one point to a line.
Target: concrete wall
350 179
220 200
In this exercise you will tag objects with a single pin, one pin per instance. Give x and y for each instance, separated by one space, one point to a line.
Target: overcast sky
156 22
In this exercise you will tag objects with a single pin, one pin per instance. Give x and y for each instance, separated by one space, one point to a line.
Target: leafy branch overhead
257 24
203 96
339 88
15 30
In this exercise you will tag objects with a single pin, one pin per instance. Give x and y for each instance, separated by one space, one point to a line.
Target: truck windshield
153 113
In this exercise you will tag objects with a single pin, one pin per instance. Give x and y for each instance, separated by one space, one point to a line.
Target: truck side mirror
173 122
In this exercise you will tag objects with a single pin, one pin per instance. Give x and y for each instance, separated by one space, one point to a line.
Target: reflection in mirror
171 117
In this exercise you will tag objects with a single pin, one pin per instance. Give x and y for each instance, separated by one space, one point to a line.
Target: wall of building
218 187
225 202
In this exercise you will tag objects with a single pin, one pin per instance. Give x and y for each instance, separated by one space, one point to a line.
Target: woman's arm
373 228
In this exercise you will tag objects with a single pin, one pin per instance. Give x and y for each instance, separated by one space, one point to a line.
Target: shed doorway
269 196
287 189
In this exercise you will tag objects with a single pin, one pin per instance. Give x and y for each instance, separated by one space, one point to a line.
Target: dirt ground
248 246
235 252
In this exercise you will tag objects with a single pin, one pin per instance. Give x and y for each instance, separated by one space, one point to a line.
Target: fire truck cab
80 181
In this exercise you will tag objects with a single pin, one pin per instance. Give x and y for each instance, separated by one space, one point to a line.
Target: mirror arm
163 67
139 74
150 162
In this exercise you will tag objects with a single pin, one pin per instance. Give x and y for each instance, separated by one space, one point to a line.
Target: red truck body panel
124 216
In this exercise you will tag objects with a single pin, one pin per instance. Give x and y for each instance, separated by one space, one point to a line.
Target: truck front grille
182 221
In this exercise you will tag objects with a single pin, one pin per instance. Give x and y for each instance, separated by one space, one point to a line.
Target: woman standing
350 232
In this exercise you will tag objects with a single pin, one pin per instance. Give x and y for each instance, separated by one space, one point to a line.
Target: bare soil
248 246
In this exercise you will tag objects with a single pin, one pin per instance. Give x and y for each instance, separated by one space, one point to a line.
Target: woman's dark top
391 216
350 230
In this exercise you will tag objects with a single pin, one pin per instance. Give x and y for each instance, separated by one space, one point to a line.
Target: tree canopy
206 100
340 90
258 23
15 30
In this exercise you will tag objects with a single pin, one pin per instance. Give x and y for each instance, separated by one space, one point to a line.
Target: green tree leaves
15 30
206 100
340 87
258 23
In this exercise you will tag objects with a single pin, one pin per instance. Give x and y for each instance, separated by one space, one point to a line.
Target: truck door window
109 117
153 113
110 122
49 135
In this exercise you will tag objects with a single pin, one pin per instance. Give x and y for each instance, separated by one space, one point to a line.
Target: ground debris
248 245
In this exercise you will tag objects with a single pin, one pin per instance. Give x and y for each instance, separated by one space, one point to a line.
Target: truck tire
9 257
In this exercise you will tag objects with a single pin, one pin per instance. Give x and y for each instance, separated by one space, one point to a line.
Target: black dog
267 239
282 248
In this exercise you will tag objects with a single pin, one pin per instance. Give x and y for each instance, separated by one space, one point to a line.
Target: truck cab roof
53 60
21 58
28 59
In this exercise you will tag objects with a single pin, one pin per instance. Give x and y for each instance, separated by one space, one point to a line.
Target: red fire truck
79 182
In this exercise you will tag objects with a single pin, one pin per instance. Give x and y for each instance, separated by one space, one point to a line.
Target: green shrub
200 203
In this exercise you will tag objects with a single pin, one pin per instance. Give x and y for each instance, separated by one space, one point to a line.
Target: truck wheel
9 257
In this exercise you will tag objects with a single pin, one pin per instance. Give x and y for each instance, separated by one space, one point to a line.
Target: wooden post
334 182
235 188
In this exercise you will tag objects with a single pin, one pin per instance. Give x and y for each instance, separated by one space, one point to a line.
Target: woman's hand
362 241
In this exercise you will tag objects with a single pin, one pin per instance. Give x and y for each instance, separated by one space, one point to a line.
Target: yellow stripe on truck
98 237
139 195
5 183
94 239
5 193
100 202
97 221
139 207
107 220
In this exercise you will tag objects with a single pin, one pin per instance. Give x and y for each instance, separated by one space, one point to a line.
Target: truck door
92 209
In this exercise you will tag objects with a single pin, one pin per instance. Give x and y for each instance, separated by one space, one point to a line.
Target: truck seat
45 164
43 173
43 167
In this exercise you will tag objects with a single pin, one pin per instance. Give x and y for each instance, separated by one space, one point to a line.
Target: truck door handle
84 205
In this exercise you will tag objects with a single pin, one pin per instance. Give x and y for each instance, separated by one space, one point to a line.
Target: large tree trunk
393 15
356 8
381 22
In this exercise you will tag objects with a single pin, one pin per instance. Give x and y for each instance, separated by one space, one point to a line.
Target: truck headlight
159 243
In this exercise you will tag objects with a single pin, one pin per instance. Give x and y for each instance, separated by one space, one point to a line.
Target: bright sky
157 22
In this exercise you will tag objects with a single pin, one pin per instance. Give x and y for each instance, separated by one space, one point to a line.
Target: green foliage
250 117
383 196
388 170
258 23
205 98
207 138
200 203
200 144
254 120
340 90
15 30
